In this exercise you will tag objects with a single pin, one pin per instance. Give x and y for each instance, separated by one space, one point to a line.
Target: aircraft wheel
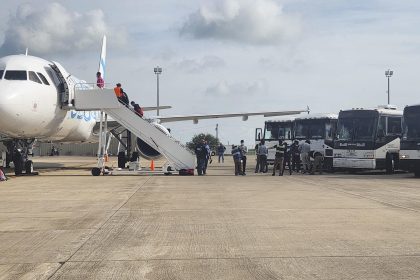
29 167
96 171
18 163
390 164
121 160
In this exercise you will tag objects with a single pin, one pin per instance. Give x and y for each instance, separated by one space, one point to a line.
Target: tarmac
67 224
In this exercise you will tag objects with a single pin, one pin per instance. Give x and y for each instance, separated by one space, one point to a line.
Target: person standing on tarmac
257 166
201 154
263 152
287 157
237 156
208 156
221 152
279 158
295 156
244 151
306 161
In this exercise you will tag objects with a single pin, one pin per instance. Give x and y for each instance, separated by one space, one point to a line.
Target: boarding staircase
104 100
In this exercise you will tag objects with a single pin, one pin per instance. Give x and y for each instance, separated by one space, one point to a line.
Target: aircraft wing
155 108
245 115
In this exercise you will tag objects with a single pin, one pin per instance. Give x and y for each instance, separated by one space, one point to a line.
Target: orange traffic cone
152 165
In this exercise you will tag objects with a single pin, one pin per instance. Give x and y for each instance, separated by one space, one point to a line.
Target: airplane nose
9 109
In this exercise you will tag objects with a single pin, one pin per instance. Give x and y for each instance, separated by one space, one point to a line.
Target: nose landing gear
19 151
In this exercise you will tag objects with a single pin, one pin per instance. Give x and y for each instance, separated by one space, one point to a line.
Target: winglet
308 110
102 59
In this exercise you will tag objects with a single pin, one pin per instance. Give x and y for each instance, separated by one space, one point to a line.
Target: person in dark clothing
137 108
237 156
257 166
295 156
244 151
279 158
287 158
221 152
201 154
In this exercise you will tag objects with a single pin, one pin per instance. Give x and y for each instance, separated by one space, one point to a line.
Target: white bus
410 142
320 130
275 130
368 139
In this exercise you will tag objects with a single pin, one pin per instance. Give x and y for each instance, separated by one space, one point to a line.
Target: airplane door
65 89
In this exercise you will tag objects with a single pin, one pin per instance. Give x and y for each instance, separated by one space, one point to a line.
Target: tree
211 140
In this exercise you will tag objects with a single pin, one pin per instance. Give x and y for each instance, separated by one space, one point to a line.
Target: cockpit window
34 78
1 74
16 75
44 80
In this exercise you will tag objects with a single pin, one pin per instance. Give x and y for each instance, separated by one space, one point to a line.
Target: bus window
394 126
381 127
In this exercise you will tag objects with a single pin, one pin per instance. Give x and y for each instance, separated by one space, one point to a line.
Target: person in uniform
279 158
201 154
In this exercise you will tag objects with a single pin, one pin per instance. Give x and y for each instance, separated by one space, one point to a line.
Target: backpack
2 176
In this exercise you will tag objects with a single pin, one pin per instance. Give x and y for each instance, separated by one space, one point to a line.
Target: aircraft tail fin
102 59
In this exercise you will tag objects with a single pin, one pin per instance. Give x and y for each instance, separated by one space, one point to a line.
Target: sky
231 55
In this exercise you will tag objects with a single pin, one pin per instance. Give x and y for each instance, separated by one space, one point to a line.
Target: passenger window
34 78
44 80
1 74
394 126
16 75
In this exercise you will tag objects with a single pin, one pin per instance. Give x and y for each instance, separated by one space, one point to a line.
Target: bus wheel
390 164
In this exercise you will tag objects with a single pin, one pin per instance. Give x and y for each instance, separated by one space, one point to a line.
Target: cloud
54 29
238 89
201 65
246 21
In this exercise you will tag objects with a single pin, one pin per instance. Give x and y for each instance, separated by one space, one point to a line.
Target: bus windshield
277 130
412 124
356 128
310 129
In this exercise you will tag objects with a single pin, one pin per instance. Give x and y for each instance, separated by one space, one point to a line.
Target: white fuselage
32 110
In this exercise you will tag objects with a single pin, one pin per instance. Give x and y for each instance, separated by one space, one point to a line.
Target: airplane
36 105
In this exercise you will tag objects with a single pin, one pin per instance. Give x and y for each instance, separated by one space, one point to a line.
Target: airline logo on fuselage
83 115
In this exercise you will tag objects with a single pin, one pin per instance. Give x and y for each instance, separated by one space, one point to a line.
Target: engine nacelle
148 152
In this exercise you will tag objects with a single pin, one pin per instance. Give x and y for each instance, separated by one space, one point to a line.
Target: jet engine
148 152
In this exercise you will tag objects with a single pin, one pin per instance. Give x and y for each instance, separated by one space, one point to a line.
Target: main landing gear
18 152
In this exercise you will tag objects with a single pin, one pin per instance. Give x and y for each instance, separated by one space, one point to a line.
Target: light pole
158 71
388 74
